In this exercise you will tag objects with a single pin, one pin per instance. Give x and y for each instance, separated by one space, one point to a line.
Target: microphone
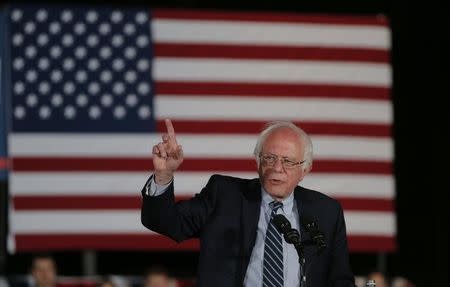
316 235
292 236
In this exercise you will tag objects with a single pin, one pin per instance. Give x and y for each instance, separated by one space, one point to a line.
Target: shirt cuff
154 189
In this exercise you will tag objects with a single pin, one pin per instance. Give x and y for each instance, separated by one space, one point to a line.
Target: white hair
272 126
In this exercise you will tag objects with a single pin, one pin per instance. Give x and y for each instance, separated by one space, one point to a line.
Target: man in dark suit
232 217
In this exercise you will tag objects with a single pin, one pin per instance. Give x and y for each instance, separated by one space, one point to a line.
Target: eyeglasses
269 160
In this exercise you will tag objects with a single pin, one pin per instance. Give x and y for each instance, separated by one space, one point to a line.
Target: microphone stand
293 237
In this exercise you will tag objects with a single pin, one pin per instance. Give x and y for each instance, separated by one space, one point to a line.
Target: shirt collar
288 203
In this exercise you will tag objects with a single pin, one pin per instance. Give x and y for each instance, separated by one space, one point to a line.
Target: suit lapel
250 210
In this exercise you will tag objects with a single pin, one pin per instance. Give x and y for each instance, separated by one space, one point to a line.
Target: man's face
44 272
157 280
277 180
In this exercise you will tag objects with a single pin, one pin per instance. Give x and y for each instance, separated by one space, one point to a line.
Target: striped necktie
273 253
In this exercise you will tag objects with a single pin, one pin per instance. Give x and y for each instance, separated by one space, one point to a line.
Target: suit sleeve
178 220
341 274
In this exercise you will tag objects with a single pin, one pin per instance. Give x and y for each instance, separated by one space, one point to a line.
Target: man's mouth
275 181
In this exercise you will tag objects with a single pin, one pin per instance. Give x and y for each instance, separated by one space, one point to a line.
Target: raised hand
167 156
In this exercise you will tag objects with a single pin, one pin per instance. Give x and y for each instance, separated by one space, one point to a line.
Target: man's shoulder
230 179
315 196
318 205
232 184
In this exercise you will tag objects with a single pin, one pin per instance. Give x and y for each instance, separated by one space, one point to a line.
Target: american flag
91 87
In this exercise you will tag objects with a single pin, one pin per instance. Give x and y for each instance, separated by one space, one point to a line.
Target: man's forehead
283 136
284 132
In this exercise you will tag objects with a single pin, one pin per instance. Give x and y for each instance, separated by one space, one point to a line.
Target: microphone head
321 245
308 223
319 240
281 223
316 235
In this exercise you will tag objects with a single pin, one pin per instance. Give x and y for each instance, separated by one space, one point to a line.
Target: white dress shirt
254 274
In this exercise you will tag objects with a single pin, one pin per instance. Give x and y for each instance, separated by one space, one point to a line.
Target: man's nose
278 165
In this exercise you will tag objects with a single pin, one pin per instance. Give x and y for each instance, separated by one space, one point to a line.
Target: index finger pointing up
170 130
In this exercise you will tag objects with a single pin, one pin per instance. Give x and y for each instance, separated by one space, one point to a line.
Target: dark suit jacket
224 216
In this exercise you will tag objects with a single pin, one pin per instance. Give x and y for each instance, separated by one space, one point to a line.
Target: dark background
420 92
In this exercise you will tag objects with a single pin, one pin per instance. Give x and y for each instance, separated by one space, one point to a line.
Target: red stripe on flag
366 204
80 202
270 52
31 242
255 127
76 202
189 164
3 163
261 89
373 243
268 17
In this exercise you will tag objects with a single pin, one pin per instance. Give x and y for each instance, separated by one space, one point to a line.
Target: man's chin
277 193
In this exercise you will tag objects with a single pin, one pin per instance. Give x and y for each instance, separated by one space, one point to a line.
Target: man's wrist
163 178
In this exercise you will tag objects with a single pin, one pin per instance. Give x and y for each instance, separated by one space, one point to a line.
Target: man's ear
307 169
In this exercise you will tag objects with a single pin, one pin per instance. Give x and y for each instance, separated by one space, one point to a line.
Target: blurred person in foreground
379 277
3 282
43 271
106 283
400 281
239 245
158 276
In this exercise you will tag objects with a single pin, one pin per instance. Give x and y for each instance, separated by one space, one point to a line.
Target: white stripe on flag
266 109
186 183
271 71
82 221
260 33
370 223
197 146
119 221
